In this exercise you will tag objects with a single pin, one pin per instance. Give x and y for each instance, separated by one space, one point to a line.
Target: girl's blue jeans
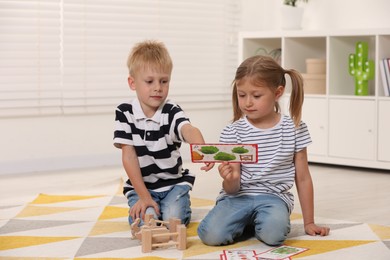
265 215
174 203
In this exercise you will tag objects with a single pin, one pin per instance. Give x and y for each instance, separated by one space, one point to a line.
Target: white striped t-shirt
156 141
275 171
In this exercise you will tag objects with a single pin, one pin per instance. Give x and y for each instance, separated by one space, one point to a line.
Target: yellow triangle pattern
111 212
195 202
295 216
32 258
30 211
196 247
137 258
322 246
12 242
104 227
47 199
383 232
192 229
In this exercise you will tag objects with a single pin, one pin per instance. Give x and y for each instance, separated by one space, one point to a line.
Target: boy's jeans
267 214
174 203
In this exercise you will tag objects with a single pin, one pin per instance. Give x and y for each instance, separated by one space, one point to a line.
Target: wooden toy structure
152 235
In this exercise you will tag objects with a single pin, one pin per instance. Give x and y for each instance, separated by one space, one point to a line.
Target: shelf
346 128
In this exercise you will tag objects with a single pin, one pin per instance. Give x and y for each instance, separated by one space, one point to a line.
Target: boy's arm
306 194
192 135
132 168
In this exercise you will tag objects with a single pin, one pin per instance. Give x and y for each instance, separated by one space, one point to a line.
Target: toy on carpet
156 233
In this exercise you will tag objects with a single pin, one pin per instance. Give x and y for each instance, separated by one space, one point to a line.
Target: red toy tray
242 153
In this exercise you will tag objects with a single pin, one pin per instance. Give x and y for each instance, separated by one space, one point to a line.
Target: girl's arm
133 171
192 135
305 193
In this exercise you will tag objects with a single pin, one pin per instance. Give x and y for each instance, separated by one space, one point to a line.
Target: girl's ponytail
296 97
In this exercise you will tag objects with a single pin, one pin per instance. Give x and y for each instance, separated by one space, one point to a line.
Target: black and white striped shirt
156 141
275 171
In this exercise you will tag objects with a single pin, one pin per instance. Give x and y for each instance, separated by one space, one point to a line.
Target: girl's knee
213 236
273 235
272 239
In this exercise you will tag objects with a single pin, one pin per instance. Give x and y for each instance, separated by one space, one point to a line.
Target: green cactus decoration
361 68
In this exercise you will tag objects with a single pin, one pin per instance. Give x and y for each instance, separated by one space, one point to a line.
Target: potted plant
292 14
292 3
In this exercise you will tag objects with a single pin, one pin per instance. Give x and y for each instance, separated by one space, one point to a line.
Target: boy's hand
208 166
139 208
312 230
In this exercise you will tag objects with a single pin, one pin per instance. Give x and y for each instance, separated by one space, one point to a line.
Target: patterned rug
95 227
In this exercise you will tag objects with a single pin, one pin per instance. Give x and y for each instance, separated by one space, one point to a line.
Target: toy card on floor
242 153
238 255
281 252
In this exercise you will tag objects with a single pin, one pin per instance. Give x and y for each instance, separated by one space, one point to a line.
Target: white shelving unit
346 129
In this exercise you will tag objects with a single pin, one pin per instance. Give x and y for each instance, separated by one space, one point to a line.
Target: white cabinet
351 129
384 131
317 123
346 129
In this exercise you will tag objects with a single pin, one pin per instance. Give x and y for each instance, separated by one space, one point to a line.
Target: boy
149 130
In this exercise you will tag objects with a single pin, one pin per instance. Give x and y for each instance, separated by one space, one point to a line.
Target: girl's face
152 88
258 103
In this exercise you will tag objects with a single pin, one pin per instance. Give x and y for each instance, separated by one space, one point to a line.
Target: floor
81 214
352 194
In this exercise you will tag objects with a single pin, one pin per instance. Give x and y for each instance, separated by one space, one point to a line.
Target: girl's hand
225 170
140 207
231 175
312 230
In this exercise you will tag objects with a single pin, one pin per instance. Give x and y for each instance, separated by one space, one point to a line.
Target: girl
256 197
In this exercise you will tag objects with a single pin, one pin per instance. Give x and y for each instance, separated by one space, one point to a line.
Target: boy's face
152 88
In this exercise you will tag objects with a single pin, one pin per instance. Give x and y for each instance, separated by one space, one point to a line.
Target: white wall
29 144
61 77
319 14
55 142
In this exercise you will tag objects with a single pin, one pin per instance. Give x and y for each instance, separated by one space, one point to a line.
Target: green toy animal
361 68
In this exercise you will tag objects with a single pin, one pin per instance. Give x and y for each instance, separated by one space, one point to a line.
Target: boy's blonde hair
149 54
262 70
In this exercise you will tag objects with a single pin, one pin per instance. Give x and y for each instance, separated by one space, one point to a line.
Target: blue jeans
174 203
265 215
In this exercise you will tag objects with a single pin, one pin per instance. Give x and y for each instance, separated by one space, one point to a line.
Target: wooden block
182 237
173 223
157 235
147 219
146 240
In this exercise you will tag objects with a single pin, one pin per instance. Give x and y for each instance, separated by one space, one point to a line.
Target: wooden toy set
156 233
241 153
